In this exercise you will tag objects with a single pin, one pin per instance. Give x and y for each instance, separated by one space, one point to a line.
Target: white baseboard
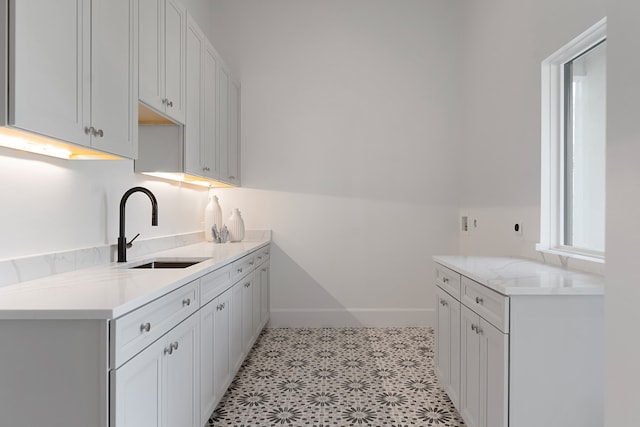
353 318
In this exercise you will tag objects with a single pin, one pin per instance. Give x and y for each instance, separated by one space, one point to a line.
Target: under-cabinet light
189 179
24 141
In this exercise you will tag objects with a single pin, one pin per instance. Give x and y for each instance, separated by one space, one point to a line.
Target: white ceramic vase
235 224
212 215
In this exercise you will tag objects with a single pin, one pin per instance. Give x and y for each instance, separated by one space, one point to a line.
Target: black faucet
122 240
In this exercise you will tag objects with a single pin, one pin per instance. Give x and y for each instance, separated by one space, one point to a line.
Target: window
573 147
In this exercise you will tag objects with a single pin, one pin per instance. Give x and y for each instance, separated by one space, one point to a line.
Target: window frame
552 202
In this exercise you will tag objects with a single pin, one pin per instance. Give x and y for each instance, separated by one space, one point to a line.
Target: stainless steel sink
165 263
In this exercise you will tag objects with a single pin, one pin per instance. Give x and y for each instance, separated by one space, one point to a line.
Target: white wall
623 210
504 44
52 205
349 154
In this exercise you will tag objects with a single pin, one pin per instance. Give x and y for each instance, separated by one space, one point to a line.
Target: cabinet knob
479 300
252 262
145 327
164 101
99 133
443 302
246 285
264 269
445 280
89 130
169 350
186 302
175 345
169 103
240 270
232 177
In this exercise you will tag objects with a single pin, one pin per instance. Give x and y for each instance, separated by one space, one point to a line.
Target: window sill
599 259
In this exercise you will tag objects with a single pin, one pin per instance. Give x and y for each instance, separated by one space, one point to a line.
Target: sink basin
166 263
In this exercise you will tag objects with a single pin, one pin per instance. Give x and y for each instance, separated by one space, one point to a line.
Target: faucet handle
131 241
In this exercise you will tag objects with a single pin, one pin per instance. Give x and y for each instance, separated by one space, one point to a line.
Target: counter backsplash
34 267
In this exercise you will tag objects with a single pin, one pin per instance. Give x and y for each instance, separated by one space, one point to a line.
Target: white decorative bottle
217 213
208 220
235 224
212 215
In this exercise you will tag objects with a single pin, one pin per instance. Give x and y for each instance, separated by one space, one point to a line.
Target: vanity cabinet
72 71
527 356
162 32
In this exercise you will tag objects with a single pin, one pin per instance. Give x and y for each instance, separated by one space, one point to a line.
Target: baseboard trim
350 318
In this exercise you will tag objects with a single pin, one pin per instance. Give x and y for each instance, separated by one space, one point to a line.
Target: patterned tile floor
338 377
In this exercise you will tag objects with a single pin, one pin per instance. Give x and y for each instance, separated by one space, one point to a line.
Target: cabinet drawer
134 331
213 284
490 305
262 255
448 280
243 266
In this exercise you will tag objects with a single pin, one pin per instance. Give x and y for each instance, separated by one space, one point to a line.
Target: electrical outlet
517 228
464 223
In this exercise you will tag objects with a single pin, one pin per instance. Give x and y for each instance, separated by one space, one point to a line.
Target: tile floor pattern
338 377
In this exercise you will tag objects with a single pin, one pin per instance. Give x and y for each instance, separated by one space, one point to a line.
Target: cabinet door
264 293
50 67
136 390
470 386
114 82
233 150
181 366
209 140
151 52
207 380
494 375
447 355
247 312
193 114
236 343
223 122
221 369
174 62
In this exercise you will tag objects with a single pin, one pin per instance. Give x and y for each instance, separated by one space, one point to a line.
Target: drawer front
132 332
243 266
490 305
213 284
262 255
448 280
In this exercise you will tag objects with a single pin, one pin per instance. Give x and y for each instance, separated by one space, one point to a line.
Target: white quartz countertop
109 291
518 276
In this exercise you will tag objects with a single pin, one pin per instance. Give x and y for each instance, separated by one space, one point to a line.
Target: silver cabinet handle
473 327
175 345
479 300
252 262
444 303
186 302
264 269
164 101
259 258
232 177
89 130
240 270
145 327
206 168
169 350
246 285
99 133
170 104
445 280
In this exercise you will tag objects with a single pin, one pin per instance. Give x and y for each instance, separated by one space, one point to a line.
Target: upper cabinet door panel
113 86
233 152
174 40
49 68
193 117
151 54
209 142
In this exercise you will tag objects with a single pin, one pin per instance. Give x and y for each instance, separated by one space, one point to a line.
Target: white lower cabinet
215 320
265 290
519 360
160 386
236 344
447 354
248 330
484 372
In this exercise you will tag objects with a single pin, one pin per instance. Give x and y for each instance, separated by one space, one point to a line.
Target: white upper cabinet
200 131
229 127
162 32
72 68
